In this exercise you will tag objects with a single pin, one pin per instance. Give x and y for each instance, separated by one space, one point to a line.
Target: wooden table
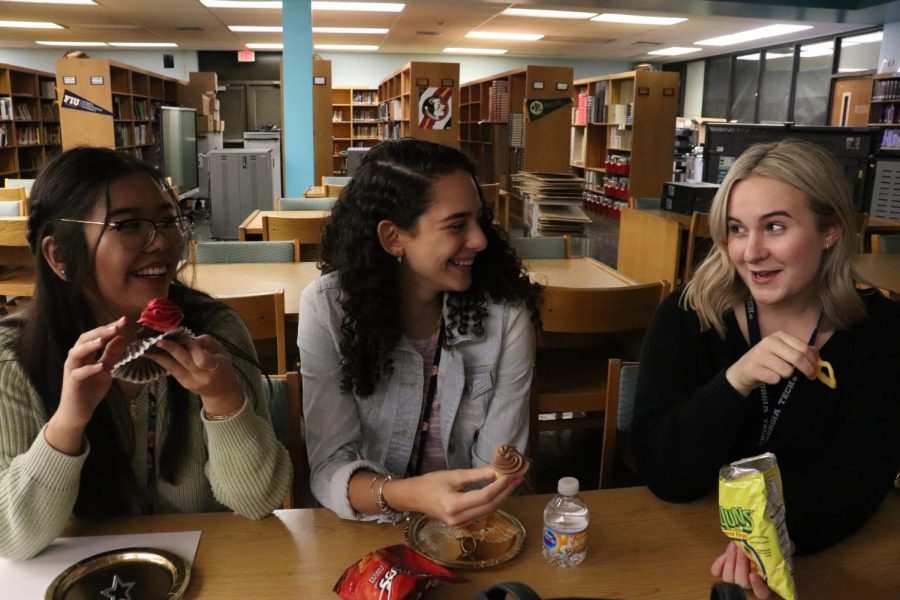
247 278
639 548
252 225
575 272
879 270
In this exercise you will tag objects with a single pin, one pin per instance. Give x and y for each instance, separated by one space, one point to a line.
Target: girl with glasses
107 234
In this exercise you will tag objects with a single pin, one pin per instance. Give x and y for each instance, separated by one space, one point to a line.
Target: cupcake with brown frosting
509 462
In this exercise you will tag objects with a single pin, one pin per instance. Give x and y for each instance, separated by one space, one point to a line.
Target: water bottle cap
568 486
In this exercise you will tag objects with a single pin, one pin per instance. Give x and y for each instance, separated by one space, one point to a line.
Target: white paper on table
30 578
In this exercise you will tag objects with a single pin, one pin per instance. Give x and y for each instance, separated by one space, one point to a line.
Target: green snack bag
751 511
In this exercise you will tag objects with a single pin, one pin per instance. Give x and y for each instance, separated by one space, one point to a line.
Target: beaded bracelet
382 504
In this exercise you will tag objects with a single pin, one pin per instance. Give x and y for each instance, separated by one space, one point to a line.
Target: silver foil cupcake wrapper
136 367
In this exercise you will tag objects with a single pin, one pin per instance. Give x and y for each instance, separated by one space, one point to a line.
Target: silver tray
433 538
123 574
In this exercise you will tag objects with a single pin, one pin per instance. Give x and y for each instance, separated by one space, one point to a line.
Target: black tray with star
123 574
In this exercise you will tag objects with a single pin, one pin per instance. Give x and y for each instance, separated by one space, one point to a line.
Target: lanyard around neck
422 432
769 421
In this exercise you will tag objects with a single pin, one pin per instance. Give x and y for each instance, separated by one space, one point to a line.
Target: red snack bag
392 573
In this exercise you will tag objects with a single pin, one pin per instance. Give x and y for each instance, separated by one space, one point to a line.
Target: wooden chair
333 190
699 231
543 246
25 183
886 243
285 402
245 252
308 232
16 194
862 222
574 344
304 203
616 454
335 180
264 316
11 208
491 194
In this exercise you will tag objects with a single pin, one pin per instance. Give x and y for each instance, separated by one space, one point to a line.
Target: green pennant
538 109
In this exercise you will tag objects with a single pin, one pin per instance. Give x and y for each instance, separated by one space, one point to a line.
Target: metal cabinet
240 182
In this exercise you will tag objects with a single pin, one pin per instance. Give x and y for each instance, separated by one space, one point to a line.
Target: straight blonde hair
716 288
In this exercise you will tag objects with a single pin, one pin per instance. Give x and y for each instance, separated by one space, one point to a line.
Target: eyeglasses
138 234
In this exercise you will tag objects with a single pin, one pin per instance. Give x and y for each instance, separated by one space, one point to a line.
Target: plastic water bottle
565 526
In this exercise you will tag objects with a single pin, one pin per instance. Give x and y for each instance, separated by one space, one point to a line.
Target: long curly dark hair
395 183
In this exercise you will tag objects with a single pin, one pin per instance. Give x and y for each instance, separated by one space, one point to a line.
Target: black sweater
838 450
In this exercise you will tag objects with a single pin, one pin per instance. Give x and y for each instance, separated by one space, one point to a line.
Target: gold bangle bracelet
226 416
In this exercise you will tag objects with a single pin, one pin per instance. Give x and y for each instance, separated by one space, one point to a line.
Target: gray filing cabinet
240 181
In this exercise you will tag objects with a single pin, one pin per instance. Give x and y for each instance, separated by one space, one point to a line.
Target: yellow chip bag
751 511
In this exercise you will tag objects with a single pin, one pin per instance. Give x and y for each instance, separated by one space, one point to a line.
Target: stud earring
827 246
400 259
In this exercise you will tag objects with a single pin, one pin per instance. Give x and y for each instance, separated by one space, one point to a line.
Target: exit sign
246 56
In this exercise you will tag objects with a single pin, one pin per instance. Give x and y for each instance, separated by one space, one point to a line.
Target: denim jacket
483 389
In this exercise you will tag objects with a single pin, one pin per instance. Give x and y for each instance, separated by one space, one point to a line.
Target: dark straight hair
70 187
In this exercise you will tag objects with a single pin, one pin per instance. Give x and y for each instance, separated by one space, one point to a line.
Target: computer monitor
354 159
853 147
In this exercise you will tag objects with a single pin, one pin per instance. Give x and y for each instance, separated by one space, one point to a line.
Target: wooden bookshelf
496 133
132 96
884 109
354 118
29 121
401 94
623 146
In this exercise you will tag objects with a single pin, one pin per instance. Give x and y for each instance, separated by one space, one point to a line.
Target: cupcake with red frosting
160 319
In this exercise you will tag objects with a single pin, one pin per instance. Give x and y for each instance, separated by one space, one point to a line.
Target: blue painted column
296 20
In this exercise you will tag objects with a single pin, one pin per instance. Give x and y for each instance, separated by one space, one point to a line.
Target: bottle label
565 543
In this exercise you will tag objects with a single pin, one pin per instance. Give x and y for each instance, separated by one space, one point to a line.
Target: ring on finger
212 368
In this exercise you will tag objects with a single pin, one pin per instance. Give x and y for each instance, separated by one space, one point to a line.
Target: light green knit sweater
235 464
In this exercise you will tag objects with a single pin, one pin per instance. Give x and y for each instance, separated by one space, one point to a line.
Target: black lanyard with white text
419 446
769 422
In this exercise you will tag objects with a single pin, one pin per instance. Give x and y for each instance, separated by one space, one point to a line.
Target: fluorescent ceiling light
30 24
851 70
144 44
753 34
241 4
749 56
548 14
255 28
356 47
637 19
675 51
489 35
360 6
474 51
262 46
54 1
866 38
69 44
820 49
354 30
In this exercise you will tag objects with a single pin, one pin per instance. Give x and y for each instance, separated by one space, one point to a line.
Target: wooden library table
879 270
639 548
575 272
247 278
252 225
